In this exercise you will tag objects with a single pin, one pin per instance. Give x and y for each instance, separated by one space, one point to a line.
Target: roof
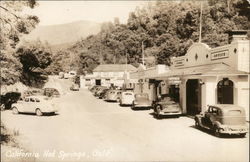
203 70
114 68
227 106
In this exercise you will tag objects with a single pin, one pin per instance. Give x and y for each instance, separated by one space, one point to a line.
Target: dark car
223 119
103 93
141 101
8 99
166 106
51 92
98 91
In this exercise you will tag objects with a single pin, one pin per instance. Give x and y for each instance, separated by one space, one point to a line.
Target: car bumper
142 105
229 130
170 113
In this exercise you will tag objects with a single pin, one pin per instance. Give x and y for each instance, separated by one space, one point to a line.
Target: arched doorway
193 96
225 93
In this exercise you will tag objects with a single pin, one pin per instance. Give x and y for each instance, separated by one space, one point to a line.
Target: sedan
34 104
141 101
127 98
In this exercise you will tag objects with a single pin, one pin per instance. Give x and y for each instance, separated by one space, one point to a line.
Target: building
145 82
108 75
211 75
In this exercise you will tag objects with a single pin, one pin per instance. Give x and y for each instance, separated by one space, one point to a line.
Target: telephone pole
142 46
200 24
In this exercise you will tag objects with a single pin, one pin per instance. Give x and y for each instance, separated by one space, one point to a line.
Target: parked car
127 98
99 88
113 95
141 101
51 92
74 87
104 94
61 75
165 105
98 91
223 119
34 104
7 99
91 89
101 93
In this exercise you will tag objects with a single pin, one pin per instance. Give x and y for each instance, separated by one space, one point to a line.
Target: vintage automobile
113 95
98 91
141 101
165 106
223 119
51 92
34 104
127 98
102 93
74 87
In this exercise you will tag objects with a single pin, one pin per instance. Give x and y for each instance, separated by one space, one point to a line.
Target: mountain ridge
64 33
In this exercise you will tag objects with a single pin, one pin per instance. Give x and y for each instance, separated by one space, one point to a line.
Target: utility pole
142 46
200 24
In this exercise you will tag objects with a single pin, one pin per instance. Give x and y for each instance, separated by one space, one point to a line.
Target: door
98 82
193 96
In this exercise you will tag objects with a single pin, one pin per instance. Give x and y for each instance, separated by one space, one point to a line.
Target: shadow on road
44 114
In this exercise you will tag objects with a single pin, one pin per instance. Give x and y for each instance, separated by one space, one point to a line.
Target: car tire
133 106
217 132
242 135
15 110
157 112
197 125
39 112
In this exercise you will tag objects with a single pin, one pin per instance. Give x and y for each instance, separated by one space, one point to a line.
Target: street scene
125 81
109 132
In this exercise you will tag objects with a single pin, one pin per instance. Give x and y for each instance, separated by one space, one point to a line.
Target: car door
26 105
32 105
206 120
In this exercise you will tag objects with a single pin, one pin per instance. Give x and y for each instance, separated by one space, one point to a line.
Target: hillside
64 33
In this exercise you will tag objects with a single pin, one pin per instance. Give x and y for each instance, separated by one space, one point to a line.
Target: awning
218 69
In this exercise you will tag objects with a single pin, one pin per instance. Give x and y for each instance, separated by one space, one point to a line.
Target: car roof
227 106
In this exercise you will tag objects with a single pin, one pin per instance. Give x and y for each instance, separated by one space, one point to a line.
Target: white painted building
108 75
212 75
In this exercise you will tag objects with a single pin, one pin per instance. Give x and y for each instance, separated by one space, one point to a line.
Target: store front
211 76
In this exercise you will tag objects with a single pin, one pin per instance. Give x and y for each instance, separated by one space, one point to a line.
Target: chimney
234 35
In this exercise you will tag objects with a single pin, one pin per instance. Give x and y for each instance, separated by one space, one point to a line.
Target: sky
60 12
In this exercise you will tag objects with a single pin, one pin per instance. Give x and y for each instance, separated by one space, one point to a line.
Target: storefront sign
174 80
219 55
178 63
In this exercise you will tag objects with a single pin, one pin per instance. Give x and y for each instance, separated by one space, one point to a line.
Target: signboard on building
178 63
219 55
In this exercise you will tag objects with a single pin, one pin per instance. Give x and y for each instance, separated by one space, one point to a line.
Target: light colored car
113 95
166 106
223 119
127 98
141 101
34 104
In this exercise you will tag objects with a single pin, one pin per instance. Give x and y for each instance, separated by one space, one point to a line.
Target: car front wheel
217 132
158 111
39 112
15 110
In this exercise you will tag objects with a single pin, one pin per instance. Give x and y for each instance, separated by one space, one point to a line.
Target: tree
34 57
13 24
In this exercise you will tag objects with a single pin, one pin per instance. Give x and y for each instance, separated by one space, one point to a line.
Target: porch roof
217 69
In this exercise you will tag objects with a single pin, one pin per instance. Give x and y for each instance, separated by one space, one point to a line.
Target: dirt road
89 129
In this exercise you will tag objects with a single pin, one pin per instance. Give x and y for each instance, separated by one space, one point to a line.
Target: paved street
105 131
